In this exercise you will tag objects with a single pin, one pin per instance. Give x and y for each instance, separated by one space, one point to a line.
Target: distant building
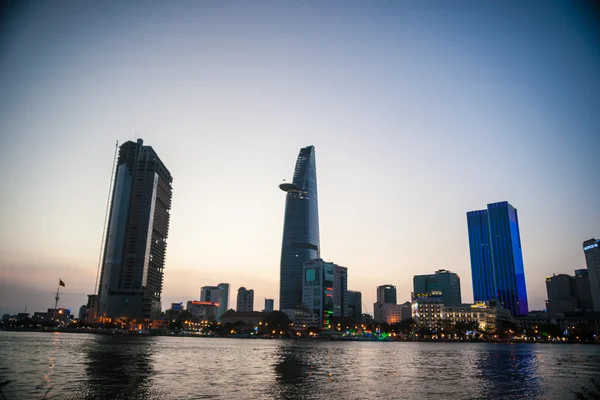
340 291
446 282
591 249
59 314
355 306
390 313
386 294
245 300
202 310
269 305
136 238
39 316
318 290
92 311
216 294
300 228
568 293
82 312
497 258
302 318
247 317
430 312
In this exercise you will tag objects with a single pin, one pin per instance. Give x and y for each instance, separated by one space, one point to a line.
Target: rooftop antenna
104 227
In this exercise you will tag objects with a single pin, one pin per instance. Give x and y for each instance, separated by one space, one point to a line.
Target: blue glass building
497 258
300 228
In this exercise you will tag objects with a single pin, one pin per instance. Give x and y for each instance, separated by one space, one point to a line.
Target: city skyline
405 148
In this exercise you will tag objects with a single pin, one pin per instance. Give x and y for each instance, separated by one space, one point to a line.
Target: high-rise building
224 303
269 305
216 294
245 300
445 282
355 306
325 290
340 291
386 294
562 294
300 228
136 240
496 257
591 249
211 294
582 288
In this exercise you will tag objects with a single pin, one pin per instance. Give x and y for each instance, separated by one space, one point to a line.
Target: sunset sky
418 111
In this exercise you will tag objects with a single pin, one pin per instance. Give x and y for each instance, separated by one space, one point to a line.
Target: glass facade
319 290
136 242
446 282
497 258
300 228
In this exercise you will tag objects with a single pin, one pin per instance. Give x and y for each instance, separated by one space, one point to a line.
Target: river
87 366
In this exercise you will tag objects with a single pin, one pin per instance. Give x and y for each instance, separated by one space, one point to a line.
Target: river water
86 366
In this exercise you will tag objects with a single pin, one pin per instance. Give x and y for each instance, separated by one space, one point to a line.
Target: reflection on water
118 367
513 370
80 366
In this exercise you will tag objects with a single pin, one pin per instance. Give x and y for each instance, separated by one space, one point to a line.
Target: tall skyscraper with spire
136 240
497 258
300 228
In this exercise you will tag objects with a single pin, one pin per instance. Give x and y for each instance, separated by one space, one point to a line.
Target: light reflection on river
83 366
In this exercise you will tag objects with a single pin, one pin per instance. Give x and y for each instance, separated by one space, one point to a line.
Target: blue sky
419 112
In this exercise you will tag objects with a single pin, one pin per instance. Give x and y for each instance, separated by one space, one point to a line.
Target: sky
418 111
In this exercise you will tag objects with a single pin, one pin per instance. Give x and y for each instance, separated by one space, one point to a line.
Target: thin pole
104 228
56 299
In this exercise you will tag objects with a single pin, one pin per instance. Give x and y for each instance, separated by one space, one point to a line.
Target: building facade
300 228
269 305
591 249
355 306
568 293
340 291
136 240
318 290
245 300
202 310
216 294
386 294
496 257
446 282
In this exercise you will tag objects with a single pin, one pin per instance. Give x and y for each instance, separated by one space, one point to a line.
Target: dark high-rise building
245 300
216 294
445 282
497 258
300 228
136 240
319 290
269 305
568 293
355 306
591 249
386 294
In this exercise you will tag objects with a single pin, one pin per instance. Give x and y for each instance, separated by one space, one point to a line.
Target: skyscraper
591 249
496 257
300 228
216 294
446 282
269 305
245 300
386 294
319 290
355 306
136 240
